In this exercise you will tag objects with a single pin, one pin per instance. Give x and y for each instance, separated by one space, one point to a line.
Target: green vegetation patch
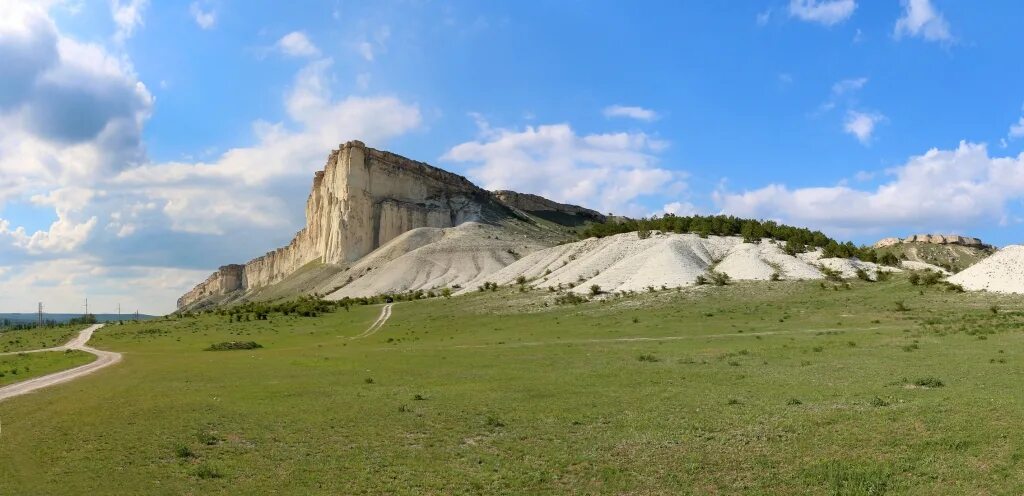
24 366
234 345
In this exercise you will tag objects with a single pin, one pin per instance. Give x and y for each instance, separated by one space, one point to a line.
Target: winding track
103 359
385 314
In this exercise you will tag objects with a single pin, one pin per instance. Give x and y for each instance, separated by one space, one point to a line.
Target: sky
146 143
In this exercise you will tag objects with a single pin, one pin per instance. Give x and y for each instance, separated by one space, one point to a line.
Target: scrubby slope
625 262
951 257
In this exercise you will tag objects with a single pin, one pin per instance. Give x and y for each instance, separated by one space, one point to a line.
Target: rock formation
542 207
936 239
364 198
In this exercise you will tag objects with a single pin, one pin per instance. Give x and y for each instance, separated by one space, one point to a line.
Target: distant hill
16 318
953 253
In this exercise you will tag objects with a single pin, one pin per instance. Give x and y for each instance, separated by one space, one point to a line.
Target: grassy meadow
753 388
36 338
24 366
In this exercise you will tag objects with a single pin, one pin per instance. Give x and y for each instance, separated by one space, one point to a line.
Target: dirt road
385 314
103 359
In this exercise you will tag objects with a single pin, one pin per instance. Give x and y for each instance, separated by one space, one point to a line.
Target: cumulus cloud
71 111
371 45
920 18
73 114
127 16
862 124
638 113
941 190
608 172
205 19
297 44
825 12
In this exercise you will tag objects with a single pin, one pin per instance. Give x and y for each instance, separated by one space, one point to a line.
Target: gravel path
103 359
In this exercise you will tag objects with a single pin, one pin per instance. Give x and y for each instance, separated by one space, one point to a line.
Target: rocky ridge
936 239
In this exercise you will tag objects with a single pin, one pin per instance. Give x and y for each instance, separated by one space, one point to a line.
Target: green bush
719 278
234 345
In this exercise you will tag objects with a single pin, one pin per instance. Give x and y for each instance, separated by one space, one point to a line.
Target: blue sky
149 142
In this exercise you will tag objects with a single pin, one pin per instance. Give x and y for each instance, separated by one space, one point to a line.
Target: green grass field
754 388
24 366
34 339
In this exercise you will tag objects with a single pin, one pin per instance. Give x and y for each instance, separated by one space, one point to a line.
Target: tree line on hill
796 239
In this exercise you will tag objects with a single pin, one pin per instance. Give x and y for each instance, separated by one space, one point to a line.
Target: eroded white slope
1002 272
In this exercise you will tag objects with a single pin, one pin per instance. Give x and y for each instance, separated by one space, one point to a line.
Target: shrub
183 451
794 401
595 290
205 471
234 345
488 286
929 382
647 357
701 280
719 278
643 233
994 309
930 278
883 275
521 280
901 307
878 402
446 292
570 298
914 278
493 421
775 276
832 274
863 275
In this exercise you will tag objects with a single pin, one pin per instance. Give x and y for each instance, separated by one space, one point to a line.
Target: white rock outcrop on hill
1002 272
935 239
362 199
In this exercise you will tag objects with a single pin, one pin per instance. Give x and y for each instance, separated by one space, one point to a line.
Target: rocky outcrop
540 206
227 279
362 199
937 239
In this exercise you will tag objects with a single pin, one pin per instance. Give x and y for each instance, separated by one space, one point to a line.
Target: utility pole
119 313
39 318
86 307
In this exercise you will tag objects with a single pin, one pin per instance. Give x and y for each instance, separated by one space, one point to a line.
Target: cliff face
362 199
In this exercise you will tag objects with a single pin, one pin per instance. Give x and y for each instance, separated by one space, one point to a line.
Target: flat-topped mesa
936 239
539 205
362 199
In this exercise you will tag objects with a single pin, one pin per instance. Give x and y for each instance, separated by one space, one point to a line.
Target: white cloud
680 208
190 191
638 113
921 19
848 86
297 44
205 19
365 50
862 124
826 12
763 18
127 16
1017 130
608 172
73 115
941 190
370 46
